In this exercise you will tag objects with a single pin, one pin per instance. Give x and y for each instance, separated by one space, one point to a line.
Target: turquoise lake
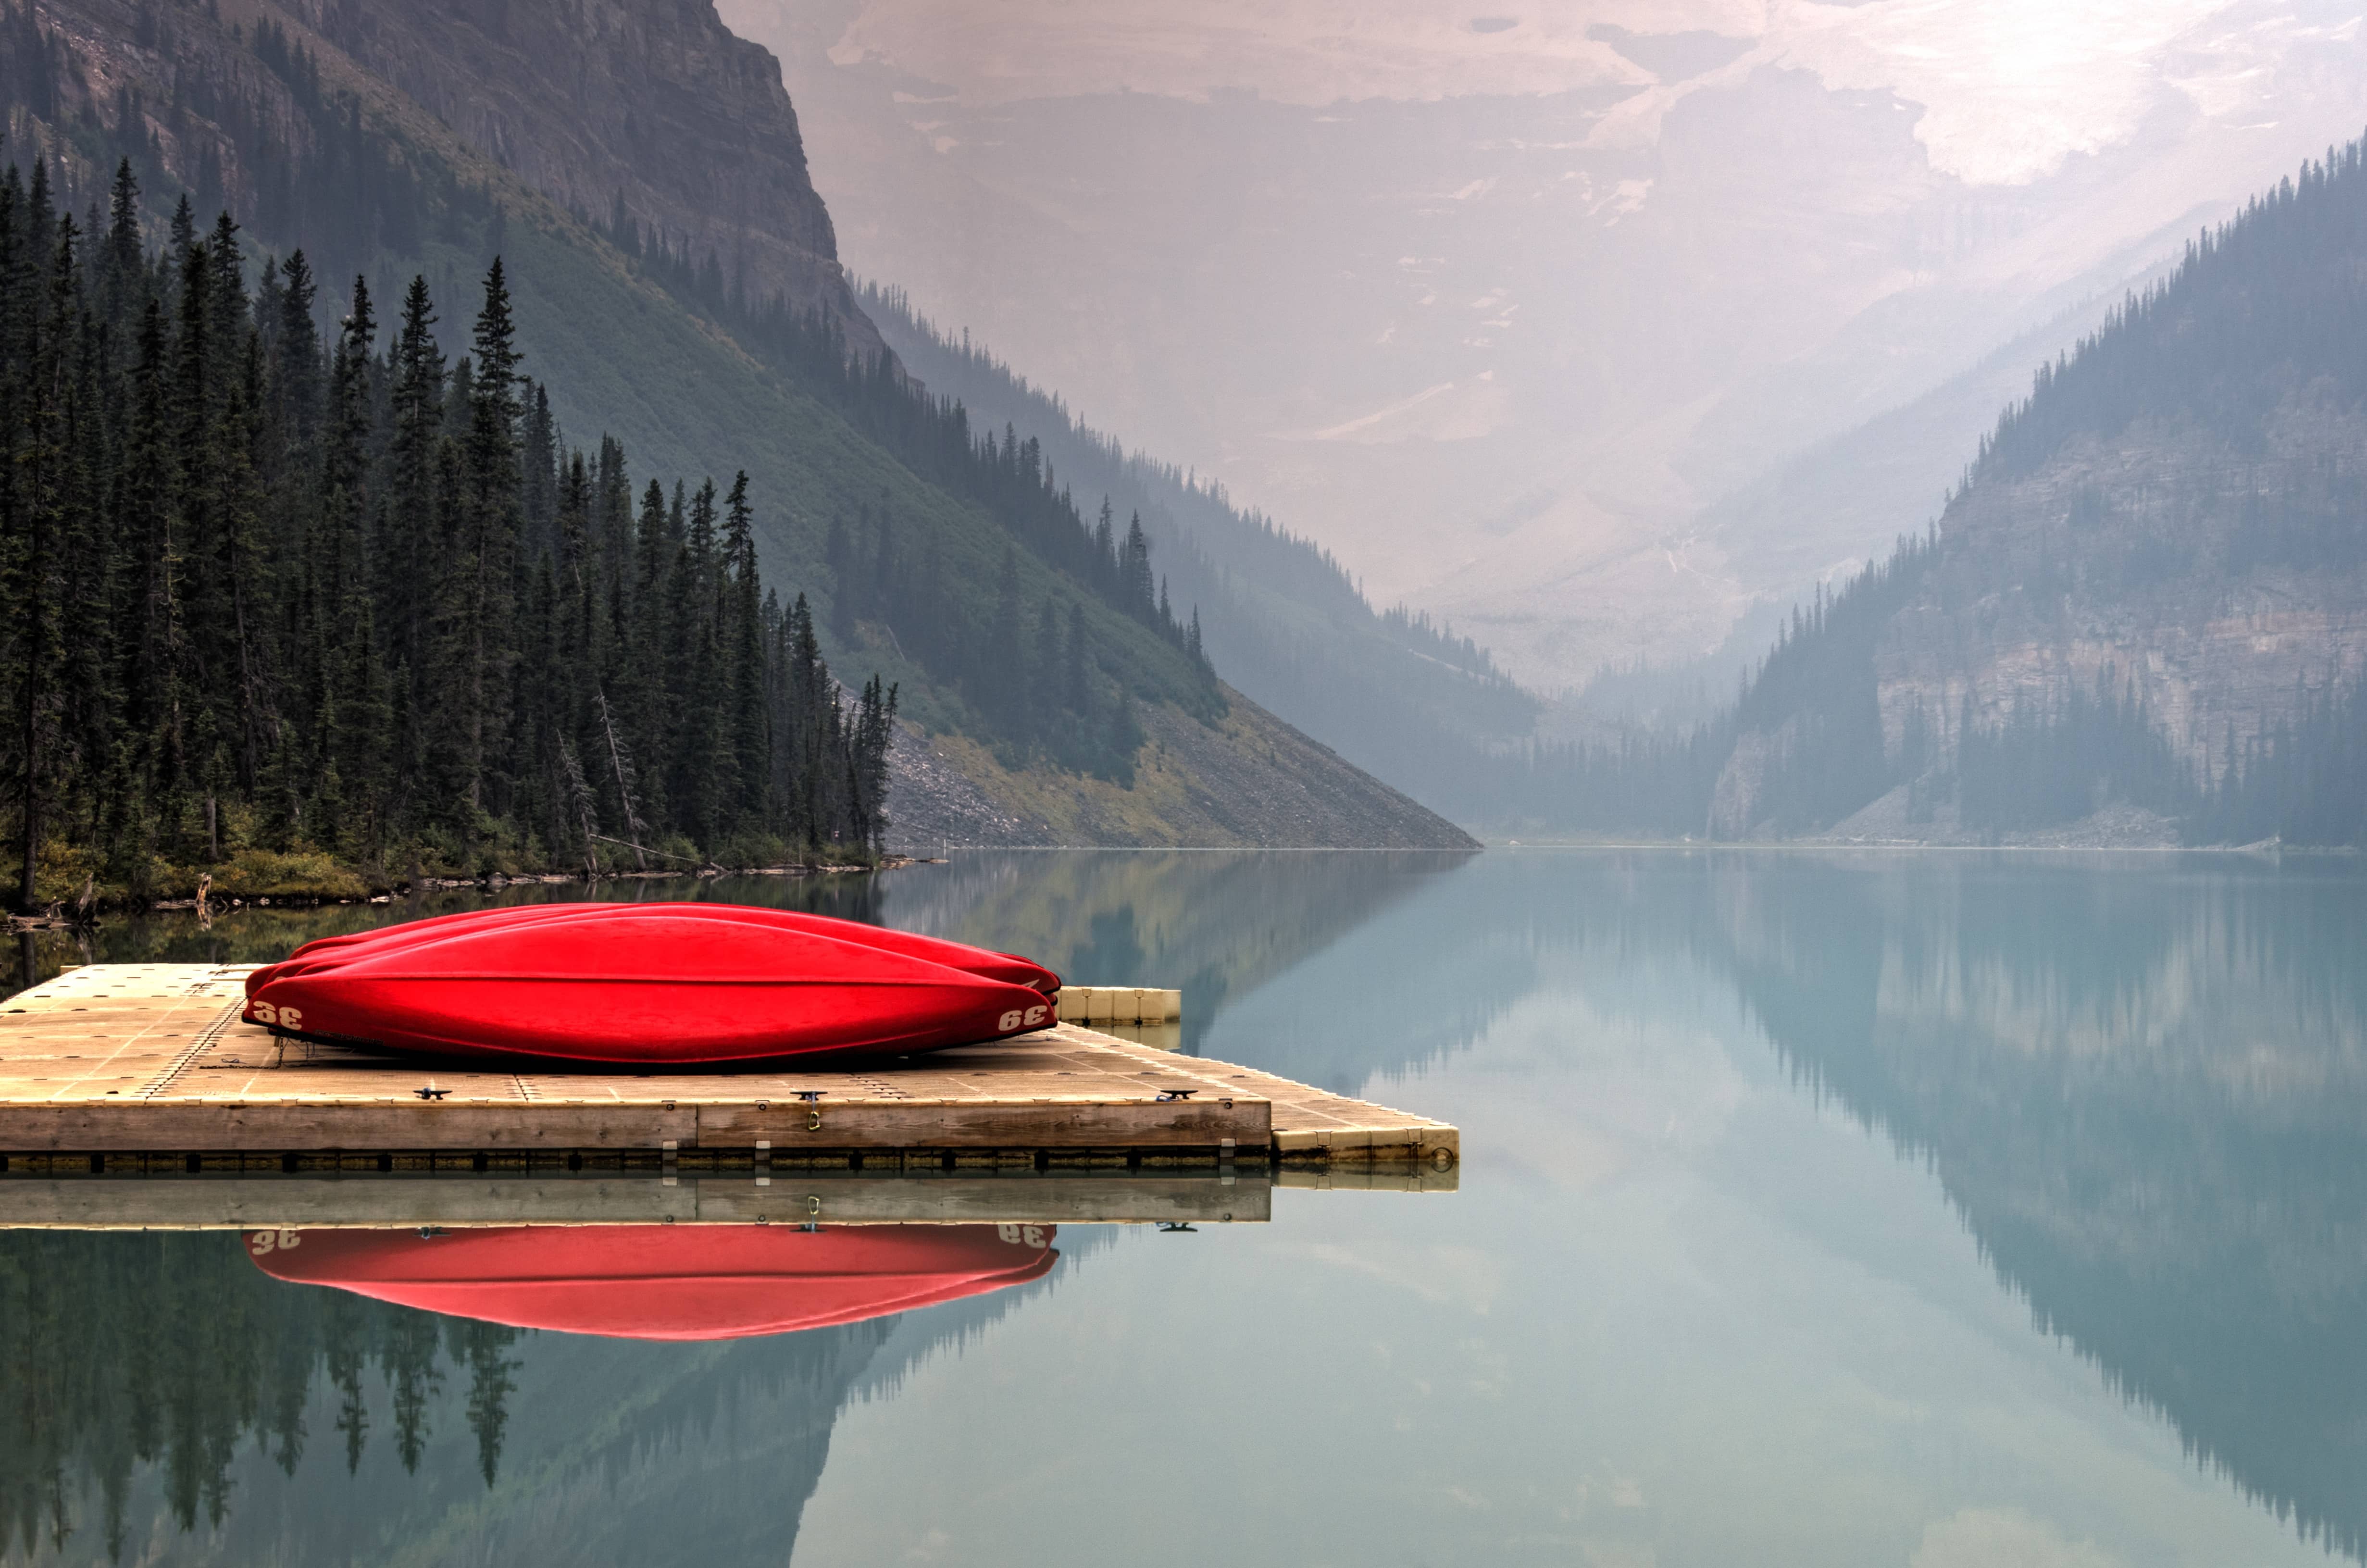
1815 1208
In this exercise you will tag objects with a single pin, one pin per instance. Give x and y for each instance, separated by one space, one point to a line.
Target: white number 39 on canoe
1032 1018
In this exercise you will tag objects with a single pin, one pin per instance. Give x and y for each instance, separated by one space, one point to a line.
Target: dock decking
148 1068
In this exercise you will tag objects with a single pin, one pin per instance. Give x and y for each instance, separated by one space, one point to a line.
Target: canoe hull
655 989
326 952
643 1024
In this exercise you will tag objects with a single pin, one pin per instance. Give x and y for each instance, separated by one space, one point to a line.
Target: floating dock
149 1070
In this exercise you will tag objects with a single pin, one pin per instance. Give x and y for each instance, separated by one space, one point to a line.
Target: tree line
1810 715
269 590
1034 677
1008 476
256 128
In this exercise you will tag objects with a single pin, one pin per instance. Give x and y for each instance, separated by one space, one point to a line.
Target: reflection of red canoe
655 987
959 955
664 1281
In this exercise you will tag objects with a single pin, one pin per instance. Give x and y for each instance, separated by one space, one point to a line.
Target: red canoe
982 961
658 986
664 1281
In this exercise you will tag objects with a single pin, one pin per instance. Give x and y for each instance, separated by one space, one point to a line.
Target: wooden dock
147 1069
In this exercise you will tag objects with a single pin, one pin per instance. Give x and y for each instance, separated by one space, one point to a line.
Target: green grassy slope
1284 621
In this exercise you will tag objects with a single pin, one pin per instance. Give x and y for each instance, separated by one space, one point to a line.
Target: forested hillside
268 593
2143 617
1391 690
949 562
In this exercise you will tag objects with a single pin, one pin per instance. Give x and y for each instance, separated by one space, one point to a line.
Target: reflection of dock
268 1199
116 1069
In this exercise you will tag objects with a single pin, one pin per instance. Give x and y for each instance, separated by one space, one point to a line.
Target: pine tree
265 595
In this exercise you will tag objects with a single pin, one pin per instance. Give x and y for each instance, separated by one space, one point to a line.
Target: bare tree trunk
477 677
633 823
250 718
33 734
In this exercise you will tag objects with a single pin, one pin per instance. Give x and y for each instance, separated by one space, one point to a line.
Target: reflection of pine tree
409 1358
343 1353
90 1390
490 1385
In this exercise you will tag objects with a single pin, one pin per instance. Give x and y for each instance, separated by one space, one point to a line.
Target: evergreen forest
1028 674
345 596
1391 690
954 561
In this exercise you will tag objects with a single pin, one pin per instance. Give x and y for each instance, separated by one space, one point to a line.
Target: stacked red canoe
670 985
664 1281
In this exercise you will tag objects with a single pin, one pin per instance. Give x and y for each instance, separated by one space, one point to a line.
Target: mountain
675 285
1503 309
1392 691
651 112
2143 615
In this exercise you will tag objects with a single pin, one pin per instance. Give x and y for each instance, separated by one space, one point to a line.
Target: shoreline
206 901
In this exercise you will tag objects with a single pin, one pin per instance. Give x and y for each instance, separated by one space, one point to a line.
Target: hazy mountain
673 284
2143 615
1518 313
1393 692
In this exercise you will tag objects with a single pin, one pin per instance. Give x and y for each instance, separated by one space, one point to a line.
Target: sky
1535 315
2009 87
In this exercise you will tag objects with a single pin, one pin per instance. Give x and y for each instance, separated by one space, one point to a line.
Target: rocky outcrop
2161 562
650 108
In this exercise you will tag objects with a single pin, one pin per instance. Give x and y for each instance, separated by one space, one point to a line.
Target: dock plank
155 1056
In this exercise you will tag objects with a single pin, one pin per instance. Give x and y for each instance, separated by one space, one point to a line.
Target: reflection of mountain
2144 1092
1425 976
160 1398
1217 924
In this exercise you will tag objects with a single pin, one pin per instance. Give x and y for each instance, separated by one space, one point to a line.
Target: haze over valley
1550 325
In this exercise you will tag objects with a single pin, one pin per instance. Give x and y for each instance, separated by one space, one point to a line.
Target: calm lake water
1921 1210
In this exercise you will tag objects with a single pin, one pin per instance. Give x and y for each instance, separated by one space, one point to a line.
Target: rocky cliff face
649 109
2153 563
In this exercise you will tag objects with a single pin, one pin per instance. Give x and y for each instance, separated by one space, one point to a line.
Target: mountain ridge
648 341
1391 690
2141 618
675 122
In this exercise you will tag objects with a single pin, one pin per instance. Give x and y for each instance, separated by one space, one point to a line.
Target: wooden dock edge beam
840 1198
1038 1132
1238 1124
1386 1165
